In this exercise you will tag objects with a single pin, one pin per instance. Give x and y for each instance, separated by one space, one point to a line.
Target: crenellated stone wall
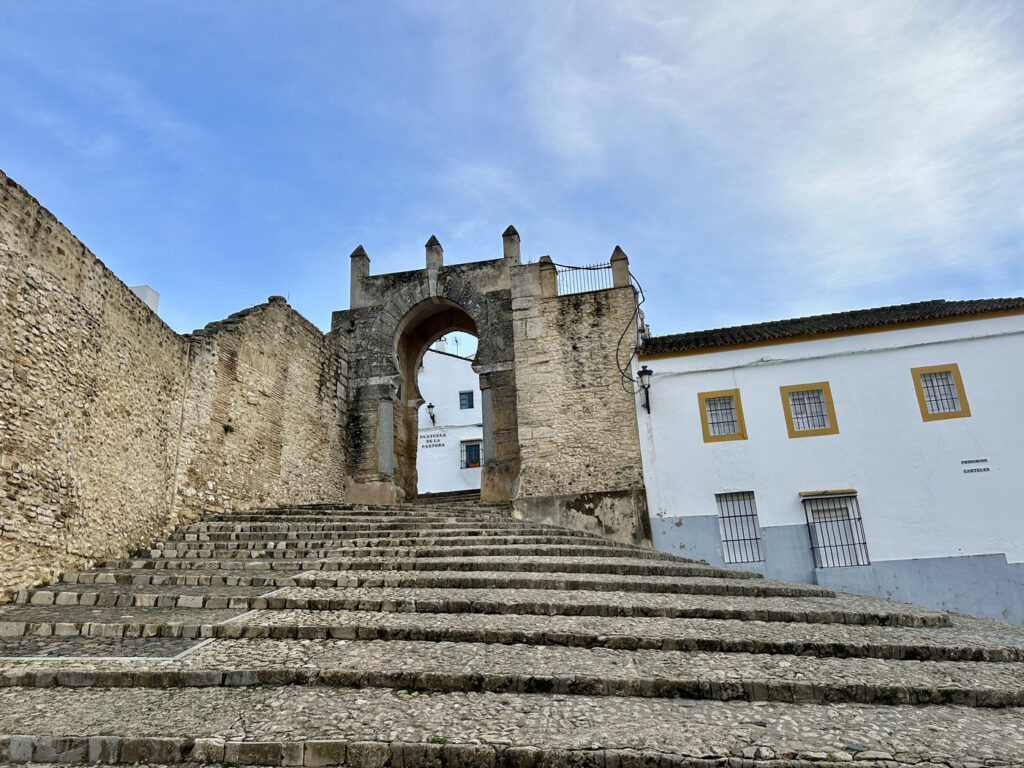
112 425
266 413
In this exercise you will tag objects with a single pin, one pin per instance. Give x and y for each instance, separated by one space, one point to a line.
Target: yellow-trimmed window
940 392
721 415
809 409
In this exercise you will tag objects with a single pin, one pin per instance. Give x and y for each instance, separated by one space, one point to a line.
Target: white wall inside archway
448 454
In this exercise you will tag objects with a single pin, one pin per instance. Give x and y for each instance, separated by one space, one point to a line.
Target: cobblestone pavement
447 636
292 714
12 648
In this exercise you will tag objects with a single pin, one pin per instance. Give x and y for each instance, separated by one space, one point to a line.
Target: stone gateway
115 428
559 432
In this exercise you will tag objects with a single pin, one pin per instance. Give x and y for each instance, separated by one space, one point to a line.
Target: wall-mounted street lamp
644 377
430 413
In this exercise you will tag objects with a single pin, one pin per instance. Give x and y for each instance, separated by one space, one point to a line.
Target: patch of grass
438 740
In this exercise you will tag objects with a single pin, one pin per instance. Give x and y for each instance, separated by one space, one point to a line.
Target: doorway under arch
422 325
449 451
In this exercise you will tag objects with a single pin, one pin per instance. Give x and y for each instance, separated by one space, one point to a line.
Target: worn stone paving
126 583
909 735
411 650
967 639
842 609
13 648
462 666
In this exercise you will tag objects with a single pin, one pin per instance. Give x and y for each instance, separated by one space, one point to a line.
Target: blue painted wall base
979 585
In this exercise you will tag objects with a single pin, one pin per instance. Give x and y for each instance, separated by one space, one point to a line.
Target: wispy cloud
883 139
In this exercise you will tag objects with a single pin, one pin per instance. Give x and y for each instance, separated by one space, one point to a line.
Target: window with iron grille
940 392
465 400
721 415
470 455
836 531
737 522
809 409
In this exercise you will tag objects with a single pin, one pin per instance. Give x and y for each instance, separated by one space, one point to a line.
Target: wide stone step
417 551
386 728
366 525
967 639
311 613
962 641
458 666
123 592
72 647
373 542
843 609
312 578
393 514
298 536
626 566
436 558
371 520
471 496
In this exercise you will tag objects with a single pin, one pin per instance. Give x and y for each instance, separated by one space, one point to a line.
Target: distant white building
876 452
448 456
149 297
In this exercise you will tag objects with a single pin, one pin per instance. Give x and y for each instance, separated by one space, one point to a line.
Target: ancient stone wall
578 437
112 425
265 416
91 385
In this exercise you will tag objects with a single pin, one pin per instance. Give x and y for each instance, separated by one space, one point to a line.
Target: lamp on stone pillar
430 413
644 377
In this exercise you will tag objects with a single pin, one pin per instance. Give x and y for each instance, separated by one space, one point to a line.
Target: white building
876 451
448 454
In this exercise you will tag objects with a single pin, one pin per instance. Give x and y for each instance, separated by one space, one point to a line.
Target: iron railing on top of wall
593 277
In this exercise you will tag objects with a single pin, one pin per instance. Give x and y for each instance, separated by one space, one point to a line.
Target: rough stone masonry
114 429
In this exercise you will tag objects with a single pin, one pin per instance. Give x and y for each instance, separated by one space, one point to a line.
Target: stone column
510 245
620 268
435 254
359 267
500 434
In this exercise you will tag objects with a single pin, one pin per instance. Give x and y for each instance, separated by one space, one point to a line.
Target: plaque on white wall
433 439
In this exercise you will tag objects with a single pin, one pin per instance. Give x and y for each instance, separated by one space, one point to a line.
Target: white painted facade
916 499
440 453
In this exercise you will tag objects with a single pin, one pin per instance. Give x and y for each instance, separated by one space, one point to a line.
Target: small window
940 392
470 454
465 400
835 529
721 415
737 522
809 409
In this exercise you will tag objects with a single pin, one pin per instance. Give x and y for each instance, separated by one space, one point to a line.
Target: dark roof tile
922 311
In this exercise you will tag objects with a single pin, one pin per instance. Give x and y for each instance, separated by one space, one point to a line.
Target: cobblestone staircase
449 635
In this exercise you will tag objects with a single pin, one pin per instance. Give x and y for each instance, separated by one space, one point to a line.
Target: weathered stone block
324 753
368 754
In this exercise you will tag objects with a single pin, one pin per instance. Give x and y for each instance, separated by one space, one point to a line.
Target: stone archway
392 321
560 437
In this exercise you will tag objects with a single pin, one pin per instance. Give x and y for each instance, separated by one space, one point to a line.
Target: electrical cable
625 371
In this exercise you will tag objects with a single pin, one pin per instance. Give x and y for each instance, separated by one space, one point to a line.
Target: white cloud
885 138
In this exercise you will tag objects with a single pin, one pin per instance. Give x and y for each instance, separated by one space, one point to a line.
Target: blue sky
755 160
